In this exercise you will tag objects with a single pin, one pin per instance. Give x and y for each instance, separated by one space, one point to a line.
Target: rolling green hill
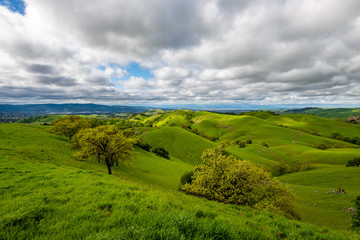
315 203
337 113
290 138
41 166
180 143
289 144
45 193
315 124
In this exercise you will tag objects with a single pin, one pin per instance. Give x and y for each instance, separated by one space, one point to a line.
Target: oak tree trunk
108 164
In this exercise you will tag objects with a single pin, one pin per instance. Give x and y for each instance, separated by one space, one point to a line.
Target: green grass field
45 193
44 190
315 203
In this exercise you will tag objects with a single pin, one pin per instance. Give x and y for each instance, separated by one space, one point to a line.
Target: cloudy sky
180 51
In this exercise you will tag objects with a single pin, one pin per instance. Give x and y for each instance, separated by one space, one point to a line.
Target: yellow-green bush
229 180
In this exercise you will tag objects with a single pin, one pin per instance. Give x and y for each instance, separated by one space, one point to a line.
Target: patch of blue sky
14 5
101 67
133 69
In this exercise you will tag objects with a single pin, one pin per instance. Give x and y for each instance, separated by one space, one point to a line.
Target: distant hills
339 113
11 113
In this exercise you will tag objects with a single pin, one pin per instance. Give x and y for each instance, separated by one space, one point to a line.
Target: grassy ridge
46 193
286 144
243 127
291 145
315 124
180 143
337 113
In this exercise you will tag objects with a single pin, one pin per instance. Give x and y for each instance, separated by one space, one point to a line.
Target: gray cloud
202 50
58 81
41 69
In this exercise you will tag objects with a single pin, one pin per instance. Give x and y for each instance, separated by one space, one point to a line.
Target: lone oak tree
69 125
106 142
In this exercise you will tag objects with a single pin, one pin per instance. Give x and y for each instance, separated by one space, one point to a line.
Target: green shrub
321 146
161 152
336 135
295 167
204 135
229 180
306 166
353 140
186 177
263 144
353 162
336 146
239 143
280 169
144 146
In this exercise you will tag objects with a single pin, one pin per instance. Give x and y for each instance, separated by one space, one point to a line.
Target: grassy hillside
45 193
290 138
178 118
180 143
337 113
315 203
41 119
316 125
286 144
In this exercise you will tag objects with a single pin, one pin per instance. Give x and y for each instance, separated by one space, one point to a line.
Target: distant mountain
10 113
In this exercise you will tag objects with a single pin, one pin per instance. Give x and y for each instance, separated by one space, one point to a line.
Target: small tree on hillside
106 142
69 125
227 179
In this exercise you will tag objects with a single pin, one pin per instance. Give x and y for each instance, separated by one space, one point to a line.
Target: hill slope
287 144
45 193
290 139
180 143
337 113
